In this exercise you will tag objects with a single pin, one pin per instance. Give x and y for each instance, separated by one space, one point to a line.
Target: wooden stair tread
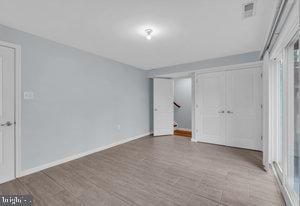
183 133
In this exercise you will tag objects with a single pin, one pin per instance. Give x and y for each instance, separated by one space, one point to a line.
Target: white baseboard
76 156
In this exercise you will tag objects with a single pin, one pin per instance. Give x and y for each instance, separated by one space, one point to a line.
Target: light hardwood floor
165 170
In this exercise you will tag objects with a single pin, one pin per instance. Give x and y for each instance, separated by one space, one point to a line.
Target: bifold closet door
210 107
243 108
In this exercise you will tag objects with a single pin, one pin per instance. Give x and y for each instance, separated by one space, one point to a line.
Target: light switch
28 95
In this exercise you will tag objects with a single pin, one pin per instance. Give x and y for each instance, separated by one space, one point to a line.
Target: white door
210 107
243 108
163 98
7 159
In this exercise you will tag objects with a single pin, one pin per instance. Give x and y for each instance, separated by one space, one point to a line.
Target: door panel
243 113
210 100
163 106
6 114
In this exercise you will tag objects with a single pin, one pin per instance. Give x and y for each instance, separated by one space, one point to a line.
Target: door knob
6 124
222 111
229 112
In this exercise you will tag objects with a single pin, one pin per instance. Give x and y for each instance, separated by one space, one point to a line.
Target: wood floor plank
40 185
13 187
156 171
199 200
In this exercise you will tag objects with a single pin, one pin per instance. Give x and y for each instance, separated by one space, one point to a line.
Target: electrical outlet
119 127
28 95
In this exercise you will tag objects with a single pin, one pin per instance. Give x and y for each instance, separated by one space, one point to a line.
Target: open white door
163 98
7 143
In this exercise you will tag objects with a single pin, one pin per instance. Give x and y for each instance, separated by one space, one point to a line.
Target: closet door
243 108
210 107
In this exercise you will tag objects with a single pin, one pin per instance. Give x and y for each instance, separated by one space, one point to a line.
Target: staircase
183 133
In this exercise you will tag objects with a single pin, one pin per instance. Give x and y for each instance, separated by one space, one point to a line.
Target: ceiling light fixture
149 32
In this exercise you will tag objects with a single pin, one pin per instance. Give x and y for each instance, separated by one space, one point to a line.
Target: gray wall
80 98
209 63
183 97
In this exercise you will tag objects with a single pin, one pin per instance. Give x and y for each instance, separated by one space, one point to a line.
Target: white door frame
18 100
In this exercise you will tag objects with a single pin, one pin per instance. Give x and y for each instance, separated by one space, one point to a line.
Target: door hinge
261 137
196 130
261 106
261 75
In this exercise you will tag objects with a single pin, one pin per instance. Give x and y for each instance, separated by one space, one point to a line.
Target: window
287 109
284 105
296 116
288 118
295 134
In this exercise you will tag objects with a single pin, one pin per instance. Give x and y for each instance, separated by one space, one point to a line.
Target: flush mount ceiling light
149 33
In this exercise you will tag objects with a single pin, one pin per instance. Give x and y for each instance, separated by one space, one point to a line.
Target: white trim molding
190 74
18 106
193 139
289 27
76 156
231 67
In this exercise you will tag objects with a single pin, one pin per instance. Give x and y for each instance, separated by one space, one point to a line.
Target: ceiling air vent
248 9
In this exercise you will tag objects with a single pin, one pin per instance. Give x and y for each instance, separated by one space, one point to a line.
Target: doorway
172 100
183 107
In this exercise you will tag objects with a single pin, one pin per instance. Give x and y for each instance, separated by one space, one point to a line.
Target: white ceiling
184 30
